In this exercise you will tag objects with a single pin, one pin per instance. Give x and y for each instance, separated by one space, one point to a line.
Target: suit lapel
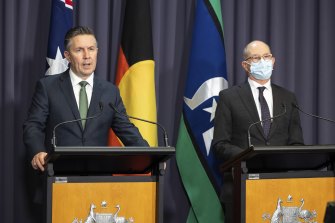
95 100
67 89
277 108
249 103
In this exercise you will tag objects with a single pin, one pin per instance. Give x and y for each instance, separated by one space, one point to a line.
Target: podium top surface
284 157
107 160
108 151
294 149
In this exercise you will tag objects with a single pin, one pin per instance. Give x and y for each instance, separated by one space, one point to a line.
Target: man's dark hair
76 31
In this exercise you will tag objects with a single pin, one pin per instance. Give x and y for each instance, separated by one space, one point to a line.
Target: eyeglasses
257 58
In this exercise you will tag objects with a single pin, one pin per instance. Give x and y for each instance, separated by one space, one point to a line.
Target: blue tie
265 112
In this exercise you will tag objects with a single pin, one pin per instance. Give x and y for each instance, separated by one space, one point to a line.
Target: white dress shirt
267 95
75 80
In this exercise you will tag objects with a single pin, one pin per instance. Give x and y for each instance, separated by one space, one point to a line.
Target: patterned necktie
265 112
83 102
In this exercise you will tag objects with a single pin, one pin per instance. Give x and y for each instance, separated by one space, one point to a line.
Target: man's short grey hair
76 31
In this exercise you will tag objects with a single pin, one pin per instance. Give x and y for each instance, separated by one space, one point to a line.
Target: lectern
282 184
106 184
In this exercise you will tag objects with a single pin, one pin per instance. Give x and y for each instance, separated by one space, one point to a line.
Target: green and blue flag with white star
207 76
61 21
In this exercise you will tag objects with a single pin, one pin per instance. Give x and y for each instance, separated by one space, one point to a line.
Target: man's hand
38 161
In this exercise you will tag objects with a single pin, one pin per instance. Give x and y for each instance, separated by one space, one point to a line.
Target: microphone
255 123
53 140
315 116
143 120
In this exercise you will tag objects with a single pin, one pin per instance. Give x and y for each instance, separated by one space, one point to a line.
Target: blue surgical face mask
261 70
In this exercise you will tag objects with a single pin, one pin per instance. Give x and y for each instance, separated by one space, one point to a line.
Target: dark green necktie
83 102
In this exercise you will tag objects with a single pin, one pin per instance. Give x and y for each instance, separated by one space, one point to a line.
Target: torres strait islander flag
135 72
61 21
206 77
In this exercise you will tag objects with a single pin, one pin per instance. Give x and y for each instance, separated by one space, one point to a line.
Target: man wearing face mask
241 105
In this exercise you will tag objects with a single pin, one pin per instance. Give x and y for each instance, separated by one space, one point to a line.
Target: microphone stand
53 140
268 119
315 116
166 143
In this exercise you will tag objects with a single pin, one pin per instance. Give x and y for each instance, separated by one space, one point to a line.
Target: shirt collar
75 80
254 85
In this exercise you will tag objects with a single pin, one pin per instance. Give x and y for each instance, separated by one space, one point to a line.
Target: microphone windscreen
295 106
101 105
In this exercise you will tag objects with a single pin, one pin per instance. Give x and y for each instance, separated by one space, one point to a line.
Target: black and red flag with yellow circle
135 73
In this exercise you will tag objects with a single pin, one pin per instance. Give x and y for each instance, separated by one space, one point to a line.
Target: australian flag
61 21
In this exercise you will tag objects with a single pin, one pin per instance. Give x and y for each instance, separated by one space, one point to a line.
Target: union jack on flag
61 21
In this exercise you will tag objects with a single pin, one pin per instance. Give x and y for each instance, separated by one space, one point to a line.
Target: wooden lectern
287 183
105 184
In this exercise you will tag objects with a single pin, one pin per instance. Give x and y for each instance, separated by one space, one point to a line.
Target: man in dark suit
255 100
76 93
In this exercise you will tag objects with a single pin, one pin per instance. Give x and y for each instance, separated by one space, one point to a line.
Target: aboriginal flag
135 73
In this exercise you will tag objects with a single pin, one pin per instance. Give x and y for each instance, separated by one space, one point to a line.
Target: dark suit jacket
54 102
236 111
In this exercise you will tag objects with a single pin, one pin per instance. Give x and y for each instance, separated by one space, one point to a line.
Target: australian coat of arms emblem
95 217
290 214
